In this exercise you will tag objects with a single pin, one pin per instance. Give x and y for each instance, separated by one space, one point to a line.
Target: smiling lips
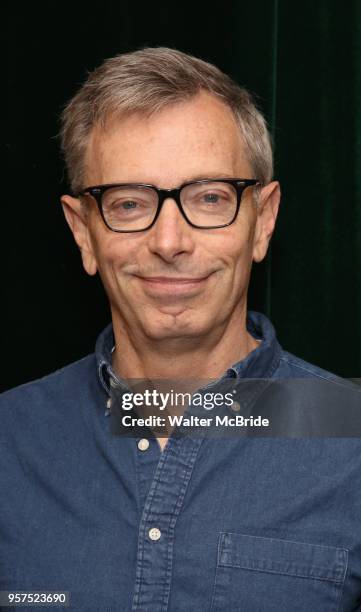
165 285
172 279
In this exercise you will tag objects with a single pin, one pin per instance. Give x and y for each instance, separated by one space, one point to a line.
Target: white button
236 406
143 444
154 533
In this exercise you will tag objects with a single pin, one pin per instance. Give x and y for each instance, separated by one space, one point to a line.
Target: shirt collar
103 354
259 363
264 359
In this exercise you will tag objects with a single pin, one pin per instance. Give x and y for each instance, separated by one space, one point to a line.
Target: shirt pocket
256 574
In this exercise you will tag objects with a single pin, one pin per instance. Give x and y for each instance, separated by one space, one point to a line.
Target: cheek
235 249
114 260
107 256
112 250
242 243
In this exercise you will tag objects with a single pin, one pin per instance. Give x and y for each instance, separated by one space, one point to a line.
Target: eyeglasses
135 207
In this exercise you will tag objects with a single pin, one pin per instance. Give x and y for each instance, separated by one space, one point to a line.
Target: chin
173 325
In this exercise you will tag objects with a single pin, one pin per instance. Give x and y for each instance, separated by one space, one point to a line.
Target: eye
129 204
211 198
123 205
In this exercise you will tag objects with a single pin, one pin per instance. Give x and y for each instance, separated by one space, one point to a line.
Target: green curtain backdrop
316 256
303 61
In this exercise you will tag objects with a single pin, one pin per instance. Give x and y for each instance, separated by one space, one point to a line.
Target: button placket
157 526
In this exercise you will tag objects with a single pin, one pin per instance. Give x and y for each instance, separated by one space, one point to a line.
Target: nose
171 235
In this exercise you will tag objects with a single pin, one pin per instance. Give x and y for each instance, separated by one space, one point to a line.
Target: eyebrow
199 177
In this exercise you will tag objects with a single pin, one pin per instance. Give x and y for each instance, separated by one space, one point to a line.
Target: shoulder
67 383
301 368
291 366
304 400
43 420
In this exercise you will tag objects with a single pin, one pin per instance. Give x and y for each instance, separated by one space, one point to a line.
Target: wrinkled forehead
198 136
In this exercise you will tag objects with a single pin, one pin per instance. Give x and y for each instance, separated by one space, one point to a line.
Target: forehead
192 139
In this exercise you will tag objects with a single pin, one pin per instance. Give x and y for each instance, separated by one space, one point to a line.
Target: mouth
173 285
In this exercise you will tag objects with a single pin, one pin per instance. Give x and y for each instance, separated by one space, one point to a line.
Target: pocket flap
282 557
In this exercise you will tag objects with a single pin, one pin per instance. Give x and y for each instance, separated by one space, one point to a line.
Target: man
170 166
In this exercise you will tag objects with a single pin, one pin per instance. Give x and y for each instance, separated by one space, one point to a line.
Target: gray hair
146 81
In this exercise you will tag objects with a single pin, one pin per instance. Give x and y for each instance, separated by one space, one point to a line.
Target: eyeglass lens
204 204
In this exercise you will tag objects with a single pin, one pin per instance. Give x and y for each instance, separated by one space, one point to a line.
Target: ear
268 204
78 221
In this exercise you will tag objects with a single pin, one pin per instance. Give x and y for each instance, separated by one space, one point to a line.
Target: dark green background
303 60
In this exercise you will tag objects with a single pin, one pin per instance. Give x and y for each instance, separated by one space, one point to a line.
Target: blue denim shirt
209 524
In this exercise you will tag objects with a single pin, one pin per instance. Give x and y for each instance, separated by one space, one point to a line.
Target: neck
204 357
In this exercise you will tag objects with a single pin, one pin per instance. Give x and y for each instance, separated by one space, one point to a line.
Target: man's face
172 280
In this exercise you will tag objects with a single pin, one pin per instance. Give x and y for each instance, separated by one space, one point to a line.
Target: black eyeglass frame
97 191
